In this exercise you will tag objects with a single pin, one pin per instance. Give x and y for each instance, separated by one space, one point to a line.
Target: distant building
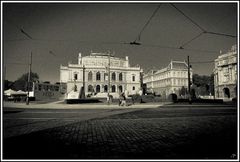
172 79
93 71
225 74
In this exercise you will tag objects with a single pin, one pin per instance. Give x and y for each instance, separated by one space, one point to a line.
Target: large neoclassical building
92 72
171 79
225 74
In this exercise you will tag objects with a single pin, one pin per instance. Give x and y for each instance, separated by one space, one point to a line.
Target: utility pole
83 81
29 76
189 83
109 78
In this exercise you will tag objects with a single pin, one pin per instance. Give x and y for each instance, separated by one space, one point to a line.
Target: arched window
114 76
120 77
90 88
105 88
133 78
98 76
113 88
120 88
90 76
98 88
133 88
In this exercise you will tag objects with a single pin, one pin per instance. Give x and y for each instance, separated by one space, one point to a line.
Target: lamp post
29 76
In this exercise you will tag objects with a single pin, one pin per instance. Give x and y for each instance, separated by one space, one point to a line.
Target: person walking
133 99
122 99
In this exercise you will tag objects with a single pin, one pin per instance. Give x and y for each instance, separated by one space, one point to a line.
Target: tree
211 85
21 82
183 91
8 84
205 84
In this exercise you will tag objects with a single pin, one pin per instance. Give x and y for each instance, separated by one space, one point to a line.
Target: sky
67 29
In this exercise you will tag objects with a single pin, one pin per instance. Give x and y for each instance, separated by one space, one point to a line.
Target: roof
100 54
178 65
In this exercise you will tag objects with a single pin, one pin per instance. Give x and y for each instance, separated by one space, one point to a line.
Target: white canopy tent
9 92
20 92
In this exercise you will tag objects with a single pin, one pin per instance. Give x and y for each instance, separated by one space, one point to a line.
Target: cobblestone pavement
27 121
158 133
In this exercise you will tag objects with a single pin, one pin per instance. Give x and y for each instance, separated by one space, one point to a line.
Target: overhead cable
25 33
222 34
184 44
202 62
177 48
21 29
17 63
148 21
203 30
137 40
188 18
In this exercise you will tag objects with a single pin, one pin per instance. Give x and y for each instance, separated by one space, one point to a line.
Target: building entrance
226 92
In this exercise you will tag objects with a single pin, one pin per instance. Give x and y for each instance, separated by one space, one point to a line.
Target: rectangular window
133 78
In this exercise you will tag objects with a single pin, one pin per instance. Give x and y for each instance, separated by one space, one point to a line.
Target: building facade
47 91
225 74
169 80
92 73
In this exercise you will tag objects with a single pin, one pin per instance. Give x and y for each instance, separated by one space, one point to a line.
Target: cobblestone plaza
166 132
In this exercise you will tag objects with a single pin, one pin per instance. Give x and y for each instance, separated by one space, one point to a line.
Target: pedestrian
120 99
124 100
133 99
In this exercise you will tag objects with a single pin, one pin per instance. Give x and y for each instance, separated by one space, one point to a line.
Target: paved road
168 132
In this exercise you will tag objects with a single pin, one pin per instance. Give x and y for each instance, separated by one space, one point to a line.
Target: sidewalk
62 105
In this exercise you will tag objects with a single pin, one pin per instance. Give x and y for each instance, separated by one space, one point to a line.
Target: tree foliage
21 82
8 84
205 84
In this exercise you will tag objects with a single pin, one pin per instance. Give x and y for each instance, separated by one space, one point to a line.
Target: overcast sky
67 29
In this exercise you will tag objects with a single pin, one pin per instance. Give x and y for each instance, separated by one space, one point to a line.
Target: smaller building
170 80
225 74
48 91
